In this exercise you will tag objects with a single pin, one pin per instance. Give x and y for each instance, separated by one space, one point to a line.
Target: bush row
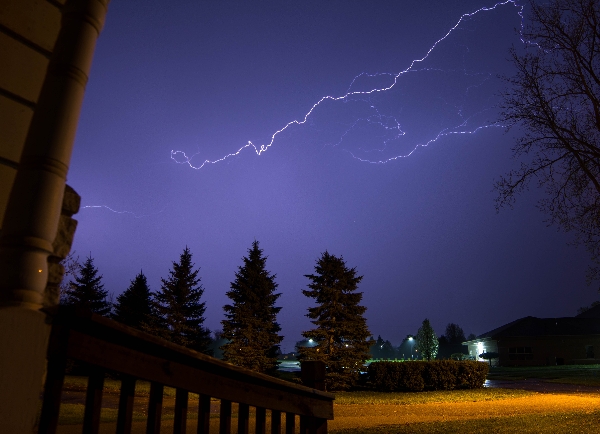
416 376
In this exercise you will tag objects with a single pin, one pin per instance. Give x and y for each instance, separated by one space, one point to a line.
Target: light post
412 343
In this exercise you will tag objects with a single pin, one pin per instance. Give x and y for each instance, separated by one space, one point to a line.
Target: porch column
33 211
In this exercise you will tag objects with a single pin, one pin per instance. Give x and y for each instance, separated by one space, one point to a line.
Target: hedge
416 376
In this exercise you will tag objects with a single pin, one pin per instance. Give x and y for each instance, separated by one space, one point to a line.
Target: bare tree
555 100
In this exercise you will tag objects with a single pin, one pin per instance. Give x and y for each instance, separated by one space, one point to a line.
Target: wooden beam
275 422
125 415
93 401
243 419
203 414
181 409
154 408
225 417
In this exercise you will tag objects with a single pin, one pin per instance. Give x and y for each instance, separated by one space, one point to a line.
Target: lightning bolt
137 216
181 157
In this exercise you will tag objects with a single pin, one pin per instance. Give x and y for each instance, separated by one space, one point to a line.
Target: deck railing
106 345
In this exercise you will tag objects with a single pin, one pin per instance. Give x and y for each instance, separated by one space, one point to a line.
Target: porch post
32 214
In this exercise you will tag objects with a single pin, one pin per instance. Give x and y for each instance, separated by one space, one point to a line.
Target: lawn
481 410
587 375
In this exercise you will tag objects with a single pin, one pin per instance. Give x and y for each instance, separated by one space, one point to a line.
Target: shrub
416 376
441 374
472 374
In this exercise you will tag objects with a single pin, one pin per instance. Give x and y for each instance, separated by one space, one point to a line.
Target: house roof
592 312
532 326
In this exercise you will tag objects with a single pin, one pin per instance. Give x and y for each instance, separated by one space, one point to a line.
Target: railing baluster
154 408
105 345
225 417
275 422
243 419
55 377
318 426
93 401
303 424
203 414
181 408
261 420
290 423
124 417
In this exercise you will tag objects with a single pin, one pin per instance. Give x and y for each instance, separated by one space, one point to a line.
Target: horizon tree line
250 337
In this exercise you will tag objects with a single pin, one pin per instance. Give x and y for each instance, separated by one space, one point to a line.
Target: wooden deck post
313 375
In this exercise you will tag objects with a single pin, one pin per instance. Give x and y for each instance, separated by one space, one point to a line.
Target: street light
412 343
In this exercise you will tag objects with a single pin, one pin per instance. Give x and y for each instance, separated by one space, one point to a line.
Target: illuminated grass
142 388
573 422
72 414
411 398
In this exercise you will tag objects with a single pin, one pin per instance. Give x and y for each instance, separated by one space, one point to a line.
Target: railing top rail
85 336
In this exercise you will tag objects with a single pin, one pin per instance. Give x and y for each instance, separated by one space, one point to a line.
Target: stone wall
62 246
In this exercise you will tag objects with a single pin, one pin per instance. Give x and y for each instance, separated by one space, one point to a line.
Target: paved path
536 385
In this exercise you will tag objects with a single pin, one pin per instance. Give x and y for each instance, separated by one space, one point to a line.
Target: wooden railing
106 345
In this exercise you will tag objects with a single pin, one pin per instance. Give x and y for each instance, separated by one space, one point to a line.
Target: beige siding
23 69
14 122
28 31
37 21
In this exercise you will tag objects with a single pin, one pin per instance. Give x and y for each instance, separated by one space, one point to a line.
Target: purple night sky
205 78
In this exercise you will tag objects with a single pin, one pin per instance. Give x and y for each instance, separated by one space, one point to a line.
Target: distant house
534 341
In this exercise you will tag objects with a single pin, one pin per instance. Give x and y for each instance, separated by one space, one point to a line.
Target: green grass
576 422
587 375
411 398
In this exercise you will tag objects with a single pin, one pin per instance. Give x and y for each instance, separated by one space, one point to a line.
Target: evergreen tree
377 348
427 342
134 305
177 310
388 351
455 334
341 331
251 328
87 291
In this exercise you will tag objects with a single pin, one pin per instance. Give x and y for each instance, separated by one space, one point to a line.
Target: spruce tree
134 305
87 291
427 341
177 310
251 327
341 332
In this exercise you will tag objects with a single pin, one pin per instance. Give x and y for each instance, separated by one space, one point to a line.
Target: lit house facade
534 341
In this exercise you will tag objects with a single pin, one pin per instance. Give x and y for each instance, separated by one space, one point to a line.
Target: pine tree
86 291
251 328
134 305
427 341
177 310
341 331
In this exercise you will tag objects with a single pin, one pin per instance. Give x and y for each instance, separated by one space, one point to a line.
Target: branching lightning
137 216
387 122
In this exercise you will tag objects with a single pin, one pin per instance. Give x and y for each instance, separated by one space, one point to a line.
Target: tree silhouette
177 309
251 327
427 342
134 305
341 332
87 291
554 98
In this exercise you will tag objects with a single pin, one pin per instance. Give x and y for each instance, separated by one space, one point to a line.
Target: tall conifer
177 309
341 332
251 327
134 305
87 291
